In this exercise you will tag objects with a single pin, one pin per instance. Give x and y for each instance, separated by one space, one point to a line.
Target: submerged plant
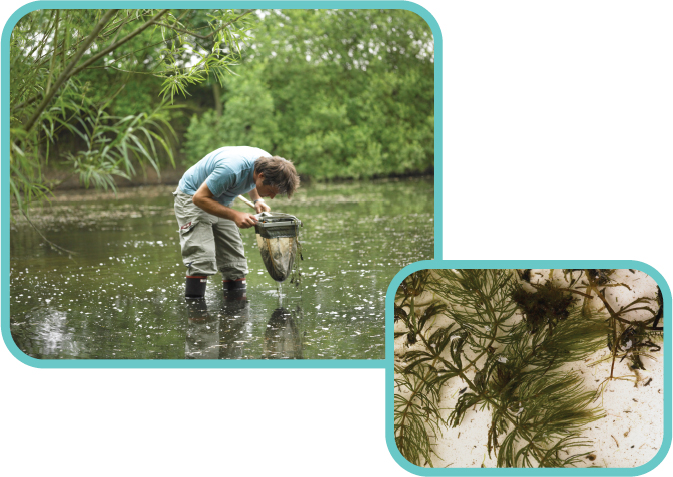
629 335
510 341
416 410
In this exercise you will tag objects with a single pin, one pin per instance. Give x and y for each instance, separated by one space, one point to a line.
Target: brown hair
278 172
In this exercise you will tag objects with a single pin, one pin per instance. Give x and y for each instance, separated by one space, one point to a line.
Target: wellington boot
195 287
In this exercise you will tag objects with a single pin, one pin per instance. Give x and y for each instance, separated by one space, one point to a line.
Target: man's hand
261 206
258 201
244 221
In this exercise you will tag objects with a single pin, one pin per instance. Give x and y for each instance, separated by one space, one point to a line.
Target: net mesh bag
277 242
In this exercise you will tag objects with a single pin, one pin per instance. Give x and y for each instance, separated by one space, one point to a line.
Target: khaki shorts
208 243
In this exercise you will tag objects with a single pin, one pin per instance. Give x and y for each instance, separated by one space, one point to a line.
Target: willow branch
91 60
53 56
114 46
69 69
204 37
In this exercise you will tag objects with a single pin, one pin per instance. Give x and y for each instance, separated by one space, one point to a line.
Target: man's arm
204 200
260 206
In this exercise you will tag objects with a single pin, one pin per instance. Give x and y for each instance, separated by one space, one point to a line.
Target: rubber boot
238 284
195 287
234 290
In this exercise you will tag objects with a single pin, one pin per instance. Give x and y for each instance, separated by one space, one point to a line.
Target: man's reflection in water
227 334
220 335
235 326
202 339
282 339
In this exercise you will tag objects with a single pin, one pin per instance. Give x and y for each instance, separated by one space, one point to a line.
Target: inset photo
526 368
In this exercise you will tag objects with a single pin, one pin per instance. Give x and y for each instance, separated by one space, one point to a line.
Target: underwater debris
400 313
546 306
601 277
525 275
660 312
414 284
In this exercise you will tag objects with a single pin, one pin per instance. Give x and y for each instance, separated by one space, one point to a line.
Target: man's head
278 176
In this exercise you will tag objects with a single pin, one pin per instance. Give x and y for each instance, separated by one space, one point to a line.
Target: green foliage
248 118
113 142
69 69
342 93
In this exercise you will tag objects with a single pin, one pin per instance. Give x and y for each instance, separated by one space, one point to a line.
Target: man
209 235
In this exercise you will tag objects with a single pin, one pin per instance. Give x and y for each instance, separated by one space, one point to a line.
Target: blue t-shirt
227 172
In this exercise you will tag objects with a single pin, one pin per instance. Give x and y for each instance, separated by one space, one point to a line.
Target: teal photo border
174 363
523 264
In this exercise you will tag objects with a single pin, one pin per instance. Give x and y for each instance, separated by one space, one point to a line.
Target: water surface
121 295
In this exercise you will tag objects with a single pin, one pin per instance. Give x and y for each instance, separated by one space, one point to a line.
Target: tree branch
53 55
114 46
69 69
202 37
51 244
125 39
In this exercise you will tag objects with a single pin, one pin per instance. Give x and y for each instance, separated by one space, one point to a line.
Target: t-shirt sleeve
220 180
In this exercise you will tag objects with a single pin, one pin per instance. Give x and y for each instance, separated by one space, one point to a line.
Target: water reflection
282 338
236 329
54 335
203 334
228 333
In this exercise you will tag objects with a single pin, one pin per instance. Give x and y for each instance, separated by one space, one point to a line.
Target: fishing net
277 241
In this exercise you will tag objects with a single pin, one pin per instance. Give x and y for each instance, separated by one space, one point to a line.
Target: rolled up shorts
208 243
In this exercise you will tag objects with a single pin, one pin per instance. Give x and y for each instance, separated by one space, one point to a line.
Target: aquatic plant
415 402
628 335
510 339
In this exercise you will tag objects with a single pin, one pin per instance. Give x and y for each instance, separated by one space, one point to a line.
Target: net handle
246 201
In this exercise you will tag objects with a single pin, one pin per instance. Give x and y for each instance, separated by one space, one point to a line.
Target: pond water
121 295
